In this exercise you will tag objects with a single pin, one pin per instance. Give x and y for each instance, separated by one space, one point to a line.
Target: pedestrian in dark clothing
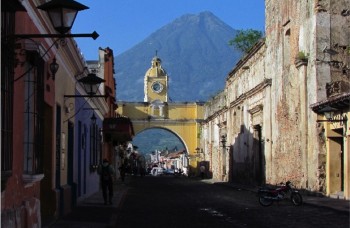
202 169
106 172
122 170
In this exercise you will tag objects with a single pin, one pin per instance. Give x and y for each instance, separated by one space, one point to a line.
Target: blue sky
122 24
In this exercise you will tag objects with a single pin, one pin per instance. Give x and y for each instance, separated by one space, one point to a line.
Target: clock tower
183 119
156 83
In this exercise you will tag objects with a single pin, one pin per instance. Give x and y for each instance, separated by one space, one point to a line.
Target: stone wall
211 132
269 93
246 91
315 28
27 215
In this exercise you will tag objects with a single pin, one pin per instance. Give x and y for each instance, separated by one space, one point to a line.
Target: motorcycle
267 195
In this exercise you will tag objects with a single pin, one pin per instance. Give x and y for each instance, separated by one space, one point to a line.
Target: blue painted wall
85 176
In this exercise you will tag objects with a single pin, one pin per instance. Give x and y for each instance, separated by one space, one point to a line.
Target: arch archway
182 119
158 138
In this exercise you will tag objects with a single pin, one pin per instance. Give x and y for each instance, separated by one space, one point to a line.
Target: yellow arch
181 118
167 129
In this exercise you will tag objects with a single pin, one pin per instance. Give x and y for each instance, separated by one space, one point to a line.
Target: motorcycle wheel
296 198
265 202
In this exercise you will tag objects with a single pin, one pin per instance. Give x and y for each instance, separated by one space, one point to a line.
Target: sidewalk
91 211
318 201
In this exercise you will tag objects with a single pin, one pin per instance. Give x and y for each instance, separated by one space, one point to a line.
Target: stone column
303 123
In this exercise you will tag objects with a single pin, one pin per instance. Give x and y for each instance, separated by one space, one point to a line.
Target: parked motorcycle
267 195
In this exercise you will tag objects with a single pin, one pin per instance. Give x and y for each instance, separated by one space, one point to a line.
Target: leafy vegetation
302 56
245 39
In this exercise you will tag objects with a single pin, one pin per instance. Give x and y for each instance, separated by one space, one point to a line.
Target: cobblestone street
180 202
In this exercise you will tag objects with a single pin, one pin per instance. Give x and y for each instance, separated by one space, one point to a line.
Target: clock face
157 87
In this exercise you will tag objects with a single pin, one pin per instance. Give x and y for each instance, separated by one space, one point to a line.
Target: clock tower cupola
156 82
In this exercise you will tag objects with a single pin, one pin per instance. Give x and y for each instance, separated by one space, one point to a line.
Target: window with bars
95 145
33 141
7 75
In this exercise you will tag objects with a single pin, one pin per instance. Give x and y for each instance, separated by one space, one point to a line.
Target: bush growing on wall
246 39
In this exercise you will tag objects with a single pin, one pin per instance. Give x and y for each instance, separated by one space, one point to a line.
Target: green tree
245 39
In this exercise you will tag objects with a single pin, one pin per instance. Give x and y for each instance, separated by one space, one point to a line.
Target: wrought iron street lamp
224 147
223 141
328 113
91 84
200 153
54 68
62 14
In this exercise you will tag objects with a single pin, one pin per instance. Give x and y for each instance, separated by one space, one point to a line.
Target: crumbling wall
289 32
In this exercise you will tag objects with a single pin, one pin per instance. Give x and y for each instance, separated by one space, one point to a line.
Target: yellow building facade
333 122
180 118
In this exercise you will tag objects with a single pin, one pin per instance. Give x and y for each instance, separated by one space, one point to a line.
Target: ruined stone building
272 115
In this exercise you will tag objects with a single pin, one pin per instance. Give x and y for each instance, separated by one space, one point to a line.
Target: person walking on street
122 170
202 169
106 172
